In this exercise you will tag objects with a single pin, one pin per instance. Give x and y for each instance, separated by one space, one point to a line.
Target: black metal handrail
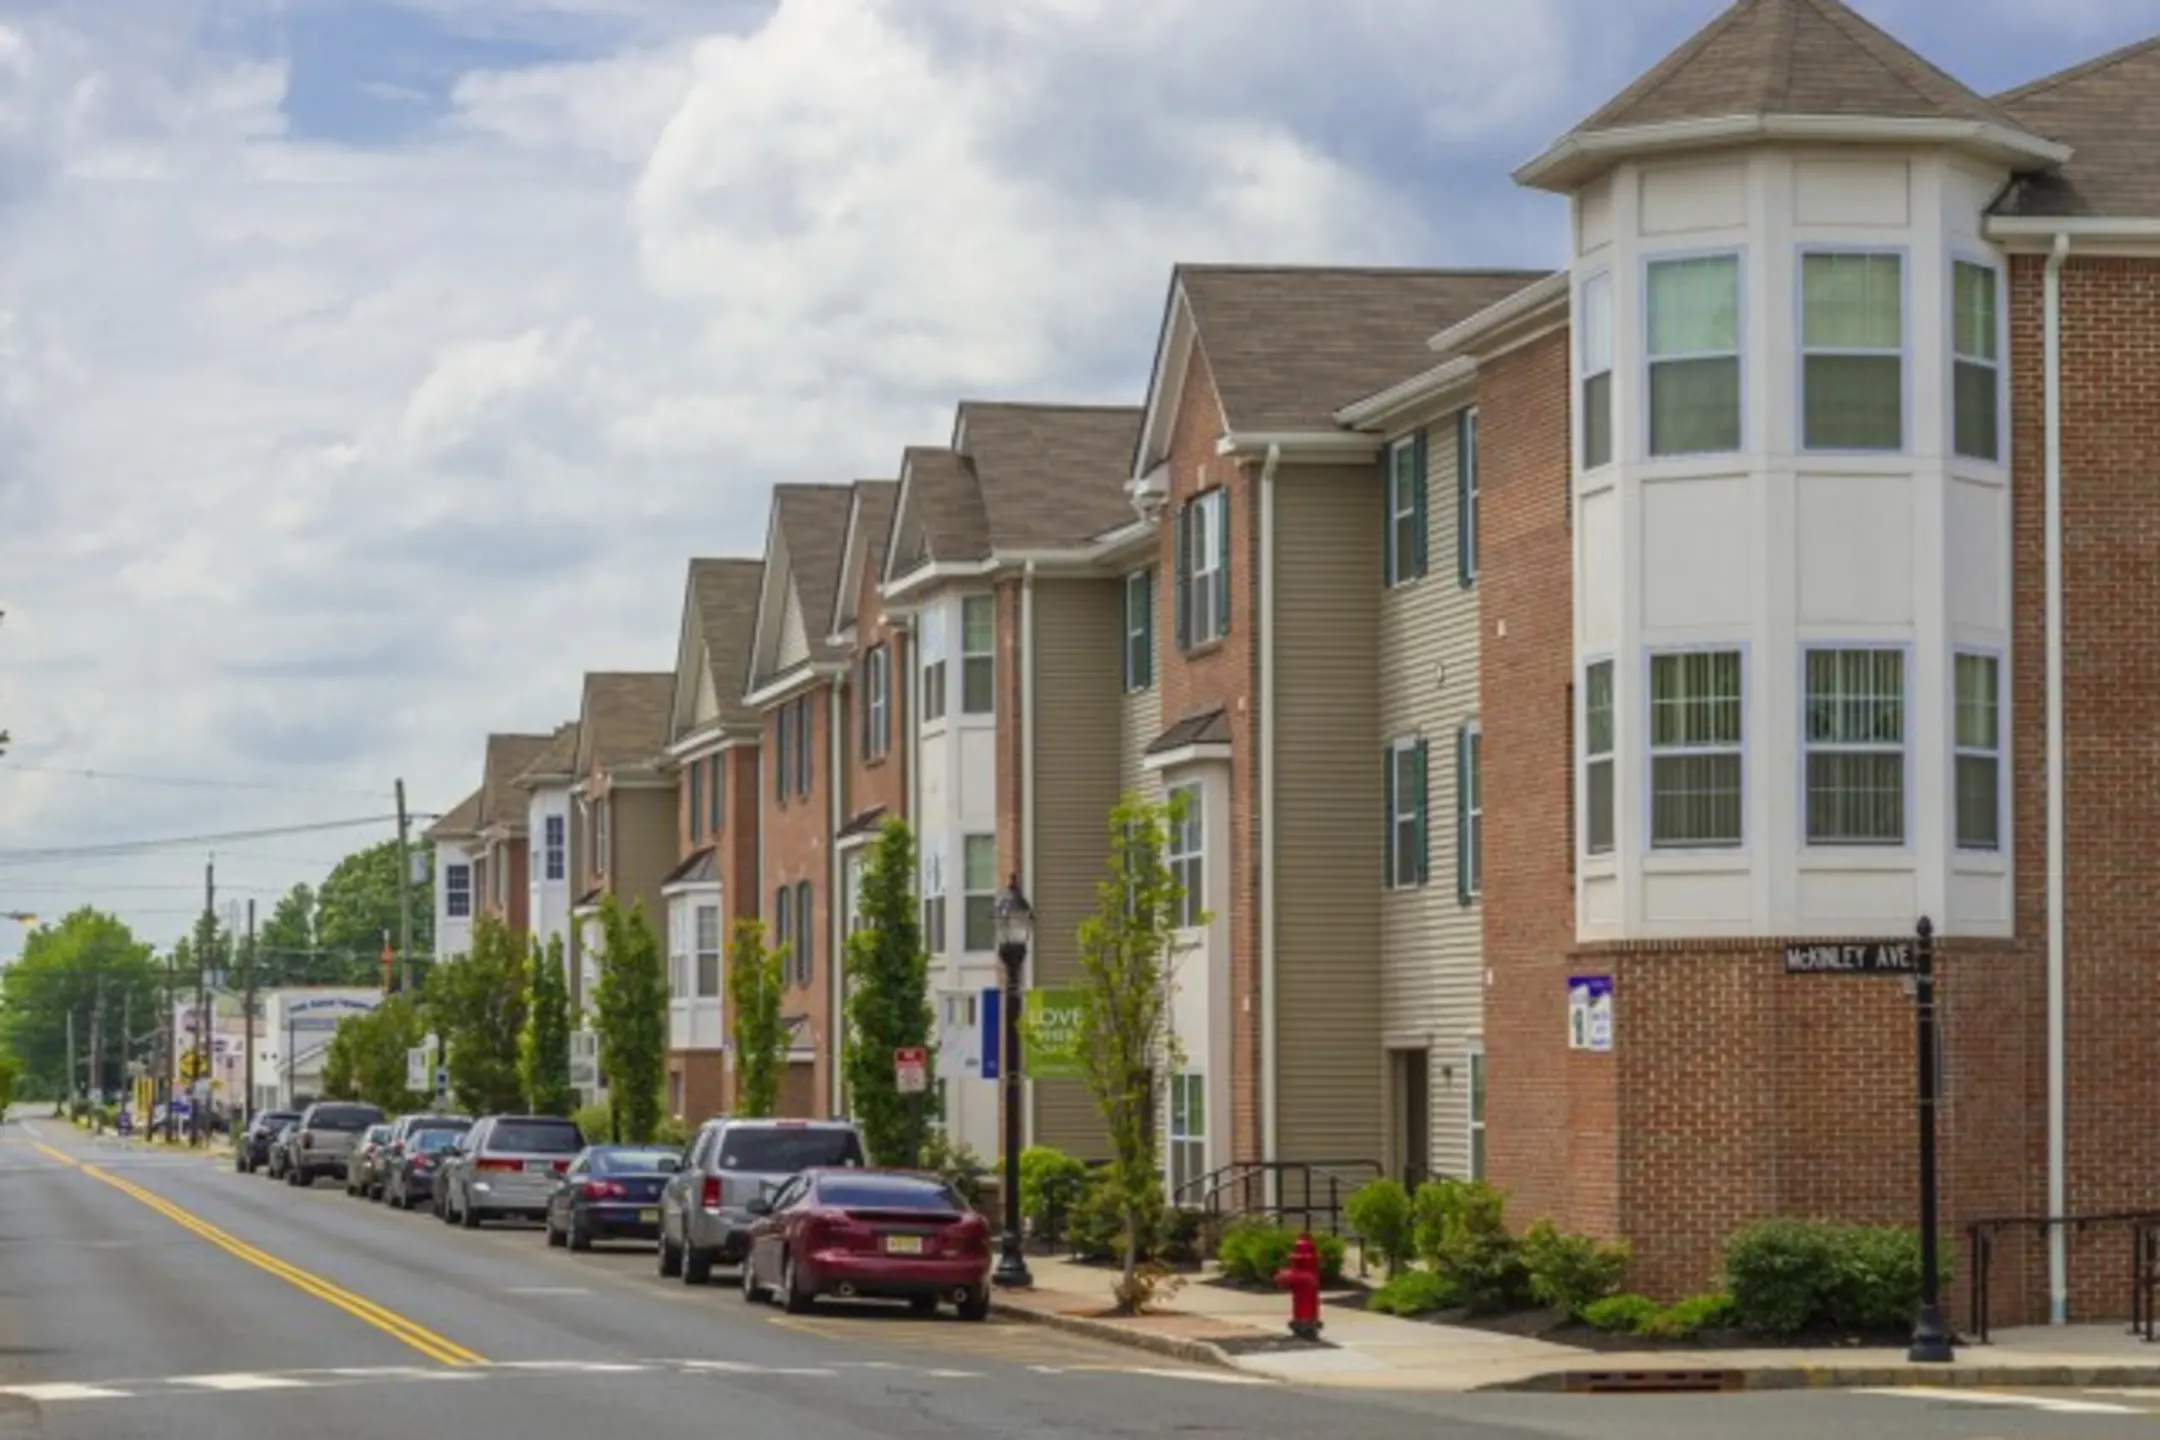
1335 1179
2144 1227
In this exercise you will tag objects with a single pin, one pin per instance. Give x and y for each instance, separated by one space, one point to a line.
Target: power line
197 781
65 886
123 848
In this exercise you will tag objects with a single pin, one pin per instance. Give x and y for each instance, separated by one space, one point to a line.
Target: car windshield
434 1141
886 1192
777 1150
376 1134
273 1123
439 1122
353 1118
537 1137
627 1161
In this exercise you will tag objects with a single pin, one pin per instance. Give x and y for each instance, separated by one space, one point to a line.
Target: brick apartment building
626 806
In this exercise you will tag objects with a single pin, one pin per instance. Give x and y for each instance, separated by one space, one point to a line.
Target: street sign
912 1068
442 1080
124 1122
416 1068
1050 1023
180 1108
1876 957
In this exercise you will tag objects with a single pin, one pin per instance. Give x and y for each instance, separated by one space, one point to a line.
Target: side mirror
762 1205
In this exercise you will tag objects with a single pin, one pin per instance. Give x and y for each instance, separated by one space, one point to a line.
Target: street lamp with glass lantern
1015 932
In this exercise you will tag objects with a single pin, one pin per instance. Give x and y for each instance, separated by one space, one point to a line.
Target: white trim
848 843
1175 337
1575 158
1309 444
2042 231
1186 755
936 572
1524 303
690 887
795 683
1381 407
701 744
1264 606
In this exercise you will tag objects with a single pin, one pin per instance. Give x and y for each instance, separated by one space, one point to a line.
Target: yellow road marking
427 1342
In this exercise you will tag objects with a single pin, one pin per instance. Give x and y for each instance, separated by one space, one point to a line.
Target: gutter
1269 1107
836 917
2057 1178
1327 444
1026 837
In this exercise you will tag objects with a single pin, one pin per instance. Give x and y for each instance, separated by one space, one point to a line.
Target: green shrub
1786 1276
1181 1236
1690 1317
1094 1227
670 1131
593 1123
1254 1250
1621 1314
956 1164
1412 1293
1461 1231
1380 1213
1878 1277
1051 1185
1570 1272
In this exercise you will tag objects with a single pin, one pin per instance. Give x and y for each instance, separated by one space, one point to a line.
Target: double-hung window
1855 744
1466 496
457 891
933 898
1598 757
678 979
1203 556
805 935
1694 350
1404 553
1594 360
1852 339
1407 864
1695 750
708 951
783 935
933 666
1188 1134
555 829
1186 855
877 703
600 811
1469 812
1976 347
1979 752
978 655
978 888
1139 632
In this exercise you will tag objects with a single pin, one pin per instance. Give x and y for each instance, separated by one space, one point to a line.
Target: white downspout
1264 609
2057 1186
835 895
1026 838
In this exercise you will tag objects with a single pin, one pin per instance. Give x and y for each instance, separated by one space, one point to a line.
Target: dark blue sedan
610 1192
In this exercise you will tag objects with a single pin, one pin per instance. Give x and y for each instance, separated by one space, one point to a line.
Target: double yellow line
427 1342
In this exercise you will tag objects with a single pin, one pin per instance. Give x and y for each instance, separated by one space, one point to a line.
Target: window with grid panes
978 655
1595 339
1598 757
1188 1134
708 951
933 899
933 698
877 703
1855 747
1693 312
1852 338
1695 750
1404 555
978 886
1979 752
1406 811
1139 631
1976 366
1186 855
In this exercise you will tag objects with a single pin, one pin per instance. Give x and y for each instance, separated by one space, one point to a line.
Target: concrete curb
1197 1352
1837 1377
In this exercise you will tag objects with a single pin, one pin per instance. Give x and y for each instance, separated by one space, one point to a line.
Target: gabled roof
719 616
555 762
941 515
1049 475
869 524
624 720
2108 111
803 537
508 757
462 822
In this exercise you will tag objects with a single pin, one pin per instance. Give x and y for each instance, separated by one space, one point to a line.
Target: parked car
705 1209
281 1148
322 1143
446 1171
507 1167
360 1171
252 1150
412 1167
610 1192
869 1234
402 1130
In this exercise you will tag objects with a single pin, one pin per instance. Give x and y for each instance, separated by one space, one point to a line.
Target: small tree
1127 950
630 1005
889 1007
544 1049
756 977
478 1006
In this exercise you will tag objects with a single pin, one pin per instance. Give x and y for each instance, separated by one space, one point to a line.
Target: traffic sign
180 1108
911 1067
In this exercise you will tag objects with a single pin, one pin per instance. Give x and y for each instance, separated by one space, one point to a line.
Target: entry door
1413 1111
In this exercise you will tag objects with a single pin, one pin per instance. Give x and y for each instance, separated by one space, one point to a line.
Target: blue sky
369 370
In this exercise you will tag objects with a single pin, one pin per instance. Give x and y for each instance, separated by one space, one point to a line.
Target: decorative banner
1590 1012
1050 1024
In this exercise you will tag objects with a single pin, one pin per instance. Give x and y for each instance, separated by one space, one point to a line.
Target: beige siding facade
646 843
794 635
1431 950
1328 811
1140 717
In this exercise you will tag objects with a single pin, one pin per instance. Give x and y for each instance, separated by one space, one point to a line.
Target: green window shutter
1462 815
1389 560
1146 675
1387 805
782 733
1222 564
1184 576
715 793
1417 498
1424 810
1465 458
809 750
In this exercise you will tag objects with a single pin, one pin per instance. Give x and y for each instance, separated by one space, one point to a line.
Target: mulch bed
1558 1328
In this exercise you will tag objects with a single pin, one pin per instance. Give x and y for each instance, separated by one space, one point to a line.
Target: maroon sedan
872 1235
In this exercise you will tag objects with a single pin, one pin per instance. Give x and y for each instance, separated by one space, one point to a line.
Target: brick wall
798 847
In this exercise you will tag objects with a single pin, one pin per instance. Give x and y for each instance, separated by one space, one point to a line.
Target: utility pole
71 1057
246 1112
169 1051
97 1044
404 893
202 993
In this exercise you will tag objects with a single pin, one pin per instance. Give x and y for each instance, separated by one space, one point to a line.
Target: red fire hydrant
1301 1277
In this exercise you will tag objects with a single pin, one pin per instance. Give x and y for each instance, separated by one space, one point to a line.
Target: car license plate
903 1244
648 1217
536 1167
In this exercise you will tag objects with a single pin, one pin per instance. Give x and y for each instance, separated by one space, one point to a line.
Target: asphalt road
151 1294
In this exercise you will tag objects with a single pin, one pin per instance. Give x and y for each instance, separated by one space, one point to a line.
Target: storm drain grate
1652 1382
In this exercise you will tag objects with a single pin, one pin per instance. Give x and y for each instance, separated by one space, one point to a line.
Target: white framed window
978 887
1979 751
1853 732
1976 360
1404 550
708 951
457 891
933 665
1476 1067
933 898
1469 812
877 703
1203 552
1696 750
600 811
1598 757
783 929
555 829
1594 361
1408 865
1186 854
1693 306
851 878
678 958
1852 350
978 655
1188 1134
1139 631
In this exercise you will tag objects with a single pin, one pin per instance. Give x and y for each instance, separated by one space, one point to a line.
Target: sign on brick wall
1873 957
1589 1006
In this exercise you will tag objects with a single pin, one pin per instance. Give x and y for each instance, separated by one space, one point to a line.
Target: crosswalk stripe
45 1394
2046 1404
243 1382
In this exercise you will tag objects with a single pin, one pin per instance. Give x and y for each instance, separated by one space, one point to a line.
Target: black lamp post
1931 1340
1015 930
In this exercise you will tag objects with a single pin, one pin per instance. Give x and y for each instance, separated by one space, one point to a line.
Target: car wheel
671 1258
793 1298
752 1292
977 1304
555 1237
580 1237
292 1178
923 1304
468 1218
696 1266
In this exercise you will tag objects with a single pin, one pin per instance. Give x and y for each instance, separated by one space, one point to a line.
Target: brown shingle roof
625 720
813 526
725 593
1209 727
1051 475
463 819
1792 57
872 527
508 757
947 502
555 760
1288 347
2108 111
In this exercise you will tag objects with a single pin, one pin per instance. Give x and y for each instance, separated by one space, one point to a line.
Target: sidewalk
1208 1324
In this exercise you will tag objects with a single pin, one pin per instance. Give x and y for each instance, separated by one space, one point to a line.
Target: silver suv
508 1165
704 1211
322 1143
